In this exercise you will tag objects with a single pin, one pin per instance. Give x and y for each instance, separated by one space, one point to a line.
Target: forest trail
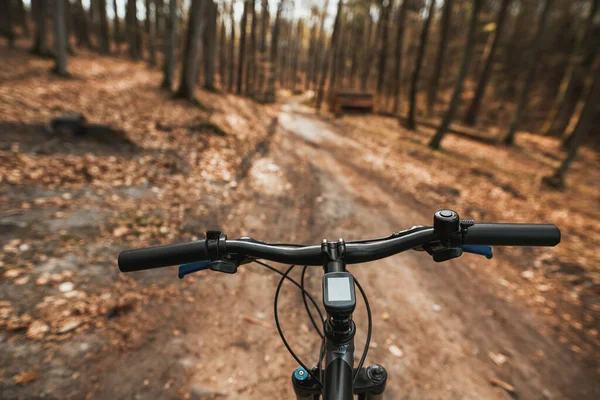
444 318
71 204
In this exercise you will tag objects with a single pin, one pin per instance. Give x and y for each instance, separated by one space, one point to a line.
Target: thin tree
40 38
296 54
131 23
397 79
270 95
584 35
222 53
103 36
441 131
439 60
386 6
312 46
251 69
150 32
582 129
231 81
82 25
328 59
117 27
473 110
262 45
536 47
410 122
242 49
159 20
170 44
60 37
193 44
7 23
371 53
210 42
319 51
358 33
23 18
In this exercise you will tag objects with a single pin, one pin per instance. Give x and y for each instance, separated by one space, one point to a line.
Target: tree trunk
264 26
159 21
251 69
401 22
581 131
170 44
358 33
473 110
312 47
385 16
371 51
411 123
193 44
150 32
104 38
117 27
439 61
270 96
222 53
7 22
585 34
23 18
320 50
82 26
132 29
231 82
242 49
40 41
284 33
60 37
536 47
210 41
439 135
328 59
296 55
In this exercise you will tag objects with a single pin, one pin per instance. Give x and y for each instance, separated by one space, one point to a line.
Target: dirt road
440 330
447 322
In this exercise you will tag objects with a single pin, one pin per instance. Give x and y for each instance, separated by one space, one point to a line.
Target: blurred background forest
133 123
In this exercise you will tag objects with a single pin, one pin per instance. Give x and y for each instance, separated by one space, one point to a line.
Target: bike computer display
338 293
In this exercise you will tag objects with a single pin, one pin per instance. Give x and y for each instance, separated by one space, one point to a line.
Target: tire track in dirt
476 321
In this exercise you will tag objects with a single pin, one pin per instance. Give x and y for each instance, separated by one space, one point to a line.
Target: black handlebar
478 234
513 235
162 256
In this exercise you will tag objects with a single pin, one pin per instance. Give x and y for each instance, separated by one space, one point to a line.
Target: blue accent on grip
300 374
481 250
190 268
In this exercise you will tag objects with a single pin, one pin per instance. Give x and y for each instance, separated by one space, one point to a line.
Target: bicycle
448 238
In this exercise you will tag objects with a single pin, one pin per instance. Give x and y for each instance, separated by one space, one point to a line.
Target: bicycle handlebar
513 235
478 234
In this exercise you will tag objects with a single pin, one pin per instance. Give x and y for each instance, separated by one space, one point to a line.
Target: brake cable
281 335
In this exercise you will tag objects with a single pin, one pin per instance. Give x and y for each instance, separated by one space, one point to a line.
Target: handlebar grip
513 235
162 256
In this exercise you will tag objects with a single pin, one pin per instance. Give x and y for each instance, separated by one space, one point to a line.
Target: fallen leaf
37 330
70 324
498 358
396 351
120 231
25 377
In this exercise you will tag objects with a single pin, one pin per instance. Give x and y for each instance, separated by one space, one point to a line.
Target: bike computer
338 294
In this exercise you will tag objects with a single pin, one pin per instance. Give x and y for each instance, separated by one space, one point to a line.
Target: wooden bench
352 102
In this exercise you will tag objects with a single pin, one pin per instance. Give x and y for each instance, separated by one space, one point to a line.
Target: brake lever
481 250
